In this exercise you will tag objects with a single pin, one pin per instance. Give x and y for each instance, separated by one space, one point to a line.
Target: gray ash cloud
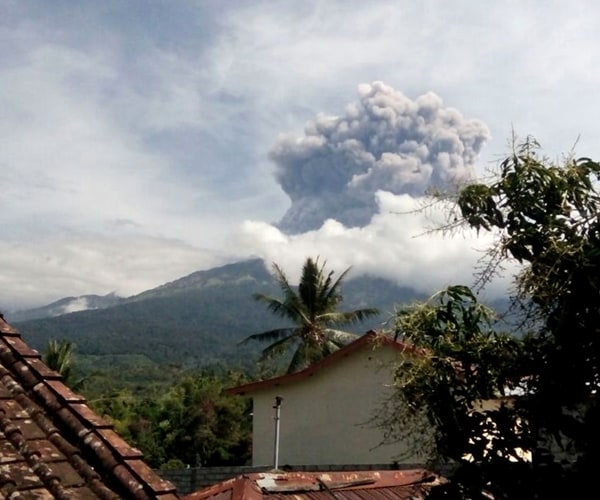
384 141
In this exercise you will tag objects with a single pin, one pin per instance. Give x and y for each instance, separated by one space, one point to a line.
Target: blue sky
144 140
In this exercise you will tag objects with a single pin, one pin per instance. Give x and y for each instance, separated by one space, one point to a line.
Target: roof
370 339
413 484
52 445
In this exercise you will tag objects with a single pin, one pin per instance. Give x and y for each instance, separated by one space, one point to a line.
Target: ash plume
384 141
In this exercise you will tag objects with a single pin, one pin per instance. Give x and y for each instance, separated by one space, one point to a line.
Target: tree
59 357
192 423
313 310
442 406
546 217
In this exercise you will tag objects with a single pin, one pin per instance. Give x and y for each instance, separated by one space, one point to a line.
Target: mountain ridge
197 319
66 305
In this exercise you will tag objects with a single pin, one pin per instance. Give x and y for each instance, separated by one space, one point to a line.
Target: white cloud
395 245
144 125
79 304
44 269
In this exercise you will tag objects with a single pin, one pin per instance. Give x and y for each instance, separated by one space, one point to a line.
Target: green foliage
459 363
194 422
191 325
59 357
312 310
137 374
545 217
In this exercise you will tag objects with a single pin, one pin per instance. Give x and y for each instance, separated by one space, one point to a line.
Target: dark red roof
371 338
52 445
413 484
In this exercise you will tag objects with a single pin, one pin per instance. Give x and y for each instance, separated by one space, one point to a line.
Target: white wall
325 417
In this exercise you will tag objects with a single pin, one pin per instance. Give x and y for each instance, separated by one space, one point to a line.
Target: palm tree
313 308
59 357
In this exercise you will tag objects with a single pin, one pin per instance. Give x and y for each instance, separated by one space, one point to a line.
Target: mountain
240 273
196 320
67 305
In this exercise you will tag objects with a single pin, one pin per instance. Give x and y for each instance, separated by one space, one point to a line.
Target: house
325 412
52 445
412 484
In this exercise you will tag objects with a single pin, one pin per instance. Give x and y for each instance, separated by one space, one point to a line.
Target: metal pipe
277 407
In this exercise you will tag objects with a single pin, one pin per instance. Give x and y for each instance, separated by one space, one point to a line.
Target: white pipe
277 407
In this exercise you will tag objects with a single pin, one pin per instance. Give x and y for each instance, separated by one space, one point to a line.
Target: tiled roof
371 339
413 484
52 445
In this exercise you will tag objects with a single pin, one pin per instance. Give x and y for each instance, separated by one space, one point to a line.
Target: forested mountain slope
198 319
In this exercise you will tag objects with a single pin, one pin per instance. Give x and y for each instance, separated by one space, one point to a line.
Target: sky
141 141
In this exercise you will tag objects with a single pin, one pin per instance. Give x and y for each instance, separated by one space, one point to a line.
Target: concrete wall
327 418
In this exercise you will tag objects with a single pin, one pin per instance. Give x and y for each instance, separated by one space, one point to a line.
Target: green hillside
192 322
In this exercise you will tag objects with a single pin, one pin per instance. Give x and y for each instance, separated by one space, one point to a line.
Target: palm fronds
313 307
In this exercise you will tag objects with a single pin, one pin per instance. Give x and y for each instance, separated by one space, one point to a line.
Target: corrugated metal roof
410 484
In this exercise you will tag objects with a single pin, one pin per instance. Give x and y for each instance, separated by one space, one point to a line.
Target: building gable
327 410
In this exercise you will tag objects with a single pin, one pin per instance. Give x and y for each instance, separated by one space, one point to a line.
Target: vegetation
196 321
188 330
313 311
59 357
177 418
193 328
442 403
545 381
191 423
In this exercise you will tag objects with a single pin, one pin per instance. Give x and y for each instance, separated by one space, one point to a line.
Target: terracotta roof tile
146 474
42 371
86 413
119 445
64 393
52 445
20 347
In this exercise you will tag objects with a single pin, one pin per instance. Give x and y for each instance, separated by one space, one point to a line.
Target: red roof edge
371 337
